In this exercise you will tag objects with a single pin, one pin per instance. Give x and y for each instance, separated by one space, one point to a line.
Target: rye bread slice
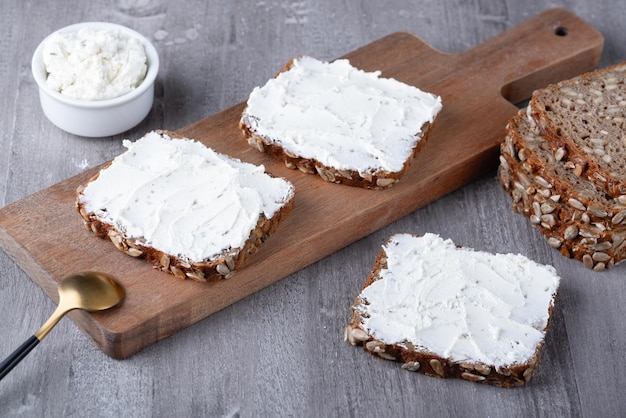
583 119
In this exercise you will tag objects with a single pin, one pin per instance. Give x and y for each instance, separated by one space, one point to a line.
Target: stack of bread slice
563 162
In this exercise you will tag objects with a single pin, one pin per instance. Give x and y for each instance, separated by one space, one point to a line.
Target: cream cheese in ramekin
94 64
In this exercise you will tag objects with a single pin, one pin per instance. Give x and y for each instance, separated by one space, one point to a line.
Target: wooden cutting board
46 237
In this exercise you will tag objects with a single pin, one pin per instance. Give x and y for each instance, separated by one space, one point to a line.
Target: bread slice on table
583 119
576 218
185 208
344 124
450 311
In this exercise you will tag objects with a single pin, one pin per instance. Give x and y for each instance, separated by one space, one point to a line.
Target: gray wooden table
280 352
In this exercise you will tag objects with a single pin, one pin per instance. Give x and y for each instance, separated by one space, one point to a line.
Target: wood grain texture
280 351
49 241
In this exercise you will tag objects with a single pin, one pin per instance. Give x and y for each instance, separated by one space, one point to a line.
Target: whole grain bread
576 218
592 244
372 179
583 119
422 359
219 266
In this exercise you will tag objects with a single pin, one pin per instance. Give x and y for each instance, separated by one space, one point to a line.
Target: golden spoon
89 291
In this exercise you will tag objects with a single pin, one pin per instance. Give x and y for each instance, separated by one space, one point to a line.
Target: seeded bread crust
574 217
596 247
222 266
375 180
584 120
418 359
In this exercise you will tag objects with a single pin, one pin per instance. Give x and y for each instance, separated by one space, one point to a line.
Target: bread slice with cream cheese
185 208
454 312
344 124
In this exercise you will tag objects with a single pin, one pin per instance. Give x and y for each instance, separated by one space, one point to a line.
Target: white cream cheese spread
341 116
183 198
94 65
458 303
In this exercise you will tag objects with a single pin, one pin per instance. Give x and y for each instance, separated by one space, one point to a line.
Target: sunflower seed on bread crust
406 313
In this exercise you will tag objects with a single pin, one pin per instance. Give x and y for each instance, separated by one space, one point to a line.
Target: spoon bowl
89 291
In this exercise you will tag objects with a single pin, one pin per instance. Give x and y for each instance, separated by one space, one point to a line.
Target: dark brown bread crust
224 266
584 118
375 180
418 359
575 218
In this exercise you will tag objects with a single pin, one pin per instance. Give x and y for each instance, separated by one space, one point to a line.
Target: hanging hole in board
560 31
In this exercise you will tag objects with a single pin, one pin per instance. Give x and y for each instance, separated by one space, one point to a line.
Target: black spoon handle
17 356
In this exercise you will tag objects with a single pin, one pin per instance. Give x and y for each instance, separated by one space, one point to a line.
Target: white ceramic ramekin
97 118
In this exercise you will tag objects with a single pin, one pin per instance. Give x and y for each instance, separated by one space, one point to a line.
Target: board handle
550 47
